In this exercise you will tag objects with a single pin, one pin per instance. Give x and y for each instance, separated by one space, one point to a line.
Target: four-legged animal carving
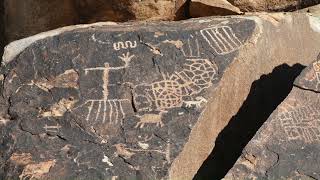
197 103
150 119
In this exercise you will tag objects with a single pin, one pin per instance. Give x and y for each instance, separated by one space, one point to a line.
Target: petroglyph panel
118 104
302 123
289 141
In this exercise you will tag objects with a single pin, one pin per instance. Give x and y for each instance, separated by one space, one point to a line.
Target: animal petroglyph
151 119
169 92
124 45
302 123
221 39
127 152
197 103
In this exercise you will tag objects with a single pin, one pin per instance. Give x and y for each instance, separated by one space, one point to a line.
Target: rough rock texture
287 145
315 10
202 8
29 17
135 100
272 5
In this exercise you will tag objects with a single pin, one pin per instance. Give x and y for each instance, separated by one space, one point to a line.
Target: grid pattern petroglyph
302 123
197 75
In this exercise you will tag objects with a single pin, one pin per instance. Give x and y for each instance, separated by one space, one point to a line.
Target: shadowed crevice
264 97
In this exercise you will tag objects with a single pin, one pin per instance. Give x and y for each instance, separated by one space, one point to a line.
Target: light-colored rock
202 8
271 5
315 10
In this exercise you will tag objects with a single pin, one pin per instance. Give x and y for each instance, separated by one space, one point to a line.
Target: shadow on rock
264 97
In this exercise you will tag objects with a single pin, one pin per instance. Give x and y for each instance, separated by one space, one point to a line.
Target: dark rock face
287 145
120 103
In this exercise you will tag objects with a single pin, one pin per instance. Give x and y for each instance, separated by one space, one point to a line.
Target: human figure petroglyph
124 45
302 123
221 39
150 119
126 58
97 108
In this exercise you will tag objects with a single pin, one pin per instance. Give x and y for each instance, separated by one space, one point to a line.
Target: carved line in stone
124 45
303 123
115 106
222 39
196 76
53 129
127 152
93 37
150 119
189 50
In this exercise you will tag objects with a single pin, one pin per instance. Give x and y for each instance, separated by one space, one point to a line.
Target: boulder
202 8
29 17
272 5
136 100
287 146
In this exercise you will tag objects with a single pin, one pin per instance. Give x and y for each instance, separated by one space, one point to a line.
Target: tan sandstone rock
271 5
201 8
29 17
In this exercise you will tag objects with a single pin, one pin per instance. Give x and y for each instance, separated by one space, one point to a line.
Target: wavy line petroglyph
124 45
221 39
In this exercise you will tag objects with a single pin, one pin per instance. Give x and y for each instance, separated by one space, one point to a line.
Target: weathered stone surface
202 8
135 100
287 145
29 17
272 5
